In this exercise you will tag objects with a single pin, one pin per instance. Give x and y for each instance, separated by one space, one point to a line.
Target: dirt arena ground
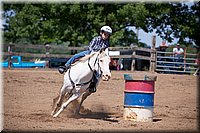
28 97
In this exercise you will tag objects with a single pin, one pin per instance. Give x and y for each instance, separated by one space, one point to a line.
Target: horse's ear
104 50
101 50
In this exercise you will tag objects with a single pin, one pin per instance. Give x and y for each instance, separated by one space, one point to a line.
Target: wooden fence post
10 54
153 54
185 55
47 48
133 62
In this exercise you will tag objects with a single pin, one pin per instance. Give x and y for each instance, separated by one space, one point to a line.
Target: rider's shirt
98 43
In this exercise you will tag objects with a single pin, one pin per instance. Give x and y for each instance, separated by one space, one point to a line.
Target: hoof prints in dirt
99 115
41 117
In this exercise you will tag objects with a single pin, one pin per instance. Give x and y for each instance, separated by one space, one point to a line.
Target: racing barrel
139 98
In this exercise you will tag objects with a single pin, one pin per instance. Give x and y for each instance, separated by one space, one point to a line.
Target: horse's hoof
77 115
54 116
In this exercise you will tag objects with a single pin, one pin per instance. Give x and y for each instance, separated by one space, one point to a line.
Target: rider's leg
76 56
64 68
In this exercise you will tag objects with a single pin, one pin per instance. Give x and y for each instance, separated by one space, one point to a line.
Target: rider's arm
93 43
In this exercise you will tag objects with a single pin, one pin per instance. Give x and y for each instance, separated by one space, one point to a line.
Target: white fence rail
167 63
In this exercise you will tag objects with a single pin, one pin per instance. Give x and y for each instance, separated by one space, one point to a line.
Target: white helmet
106 29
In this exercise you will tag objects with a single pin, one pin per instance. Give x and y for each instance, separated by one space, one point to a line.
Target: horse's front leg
59 100
58 103
54 102
64 105
85 95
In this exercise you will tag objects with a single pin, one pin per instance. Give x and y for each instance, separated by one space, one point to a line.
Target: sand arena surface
28 99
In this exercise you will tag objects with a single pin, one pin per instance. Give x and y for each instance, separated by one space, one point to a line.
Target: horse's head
104 61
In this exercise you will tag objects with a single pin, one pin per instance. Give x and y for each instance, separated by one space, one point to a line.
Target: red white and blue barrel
138 99
139 86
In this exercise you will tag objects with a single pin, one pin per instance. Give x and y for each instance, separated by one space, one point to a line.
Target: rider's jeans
76 56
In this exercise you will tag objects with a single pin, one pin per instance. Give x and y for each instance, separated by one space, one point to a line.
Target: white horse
78 78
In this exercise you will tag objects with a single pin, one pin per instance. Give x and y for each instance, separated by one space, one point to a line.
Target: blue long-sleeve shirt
98 43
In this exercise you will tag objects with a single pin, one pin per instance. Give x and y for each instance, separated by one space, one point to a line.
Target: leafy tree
76 24
175 20
73 23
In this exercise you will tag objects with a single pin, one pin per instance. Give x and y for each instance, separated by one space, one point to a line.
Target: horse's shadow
97 115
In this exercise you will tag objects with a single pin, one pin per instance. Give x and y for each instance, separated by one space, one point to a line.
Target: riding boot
92 87
63 69
92 90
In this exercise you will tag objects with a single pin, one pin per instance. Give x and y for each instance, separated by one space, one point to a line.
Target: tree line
74 24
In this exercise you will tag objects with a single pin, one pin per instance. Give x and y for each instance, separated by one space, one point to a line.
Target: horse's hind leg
85 95
64 105
59 99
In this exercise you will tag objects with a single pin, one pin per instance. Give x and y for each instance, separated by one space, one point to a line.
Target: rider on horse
97 43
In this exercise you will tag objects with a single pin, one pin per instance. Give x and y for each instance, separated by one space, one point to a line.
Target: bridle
94 73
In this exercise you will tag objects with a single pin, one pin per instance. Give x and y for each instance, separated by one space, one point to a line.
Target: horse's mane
85 58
